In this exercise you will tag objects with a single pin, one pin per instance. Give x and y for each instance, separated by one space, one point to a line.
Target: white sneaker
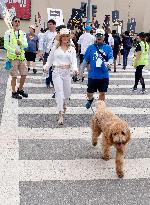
133 89
143 91
61 119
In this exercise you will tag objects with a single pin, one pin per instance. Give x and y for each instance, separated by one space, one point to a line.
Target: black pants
139 77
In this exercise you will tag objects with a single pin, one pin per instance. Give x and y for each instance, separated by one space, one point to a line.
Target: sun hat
63 31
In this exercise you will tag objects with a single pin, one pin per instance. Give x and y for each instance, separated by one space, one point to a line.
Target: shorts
18 66
115 54
97 84
30 56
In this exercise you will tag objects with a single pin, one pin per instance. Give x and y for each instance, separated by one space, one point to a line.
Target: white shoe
143 91
61 119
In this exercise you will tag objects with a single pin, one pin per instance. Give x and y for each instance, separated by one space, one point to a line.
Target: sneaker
53 96
16 95
89 103
143 91
21 92
34 71
133 89
124 67
28 69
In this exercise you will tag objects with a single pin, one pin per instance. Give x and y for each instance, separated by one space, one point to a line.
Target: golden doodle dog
115 132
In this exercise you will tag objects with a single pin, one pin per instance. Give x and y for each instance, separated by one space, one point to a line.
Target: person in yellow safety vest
141 60
14 42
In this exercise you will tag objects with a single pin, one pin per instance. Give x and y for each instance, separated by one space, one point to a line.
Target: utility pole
89 12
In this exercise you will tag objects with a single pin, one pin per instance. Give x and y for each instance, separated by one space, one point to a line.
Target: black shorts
115 54
97 84
30 56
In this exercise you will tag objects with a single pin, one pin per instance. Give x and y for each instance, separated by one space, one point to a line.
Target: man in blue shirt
100 57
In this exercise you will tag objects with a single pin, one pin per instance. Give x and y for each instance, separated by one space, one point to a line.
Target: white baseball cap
100 31
32 26
64 31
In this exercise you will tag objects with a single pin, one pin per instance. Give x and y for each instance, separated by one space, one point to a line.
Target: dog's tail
100 107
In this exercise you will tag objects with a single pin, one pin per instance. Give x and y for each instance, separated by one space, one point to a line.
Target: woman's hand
45 69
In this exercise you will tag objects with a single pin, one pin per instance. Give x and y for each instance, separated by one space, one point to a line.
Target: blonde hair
60 41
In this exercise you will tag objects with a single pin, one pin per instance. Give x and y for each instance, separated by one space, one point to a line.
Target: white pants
62 85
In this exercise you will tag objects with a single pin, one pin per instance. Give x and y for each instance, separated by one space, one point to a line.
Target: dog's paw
120 174
106 157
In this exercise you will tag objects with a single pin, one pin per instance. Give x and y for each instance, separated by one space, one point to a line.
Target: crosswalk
45 164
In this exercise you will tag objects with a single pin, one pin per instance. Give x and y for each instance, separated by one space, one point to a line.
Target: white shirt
110 40
85 41
58 57
48 41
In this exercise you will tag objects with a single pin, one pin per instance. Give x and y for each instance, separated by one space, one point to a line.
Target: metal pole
88 12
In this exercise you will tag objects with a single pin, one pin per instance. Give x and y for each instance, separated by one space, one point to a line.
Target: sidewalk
2 54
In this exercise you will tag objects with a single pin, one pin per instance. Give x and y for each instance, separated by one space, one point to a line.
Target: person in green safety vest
14 42
140 60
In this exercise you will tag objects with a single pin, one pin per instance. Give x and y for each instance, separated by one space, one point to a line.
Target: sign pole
88 12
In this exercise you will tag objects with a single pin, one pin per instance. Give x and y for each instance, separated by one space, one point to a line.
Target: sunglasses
17 21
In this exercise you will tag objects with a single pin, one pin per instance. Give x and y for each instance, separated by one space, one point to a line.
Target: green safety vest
144 54
10 44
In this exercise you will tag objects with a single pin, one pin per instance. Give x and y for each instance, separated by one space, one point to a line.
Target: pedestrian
40 38
45 48
141 60
85 40
14 42
30 52
127 45
100 56
63 59
116 47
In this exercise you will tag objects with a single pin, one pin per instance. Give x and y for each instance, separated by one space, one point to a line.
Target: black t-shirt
138 47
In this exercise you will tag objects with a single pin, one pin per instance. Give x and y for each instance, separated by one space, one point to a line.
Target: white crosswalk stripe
14 132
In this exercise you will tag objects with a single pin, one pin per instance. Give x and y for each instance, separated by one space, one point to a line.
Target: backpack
128 44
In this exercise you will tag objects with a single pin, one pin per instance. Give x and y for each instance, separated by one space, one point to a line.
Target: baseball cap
100 33
88 28
142 35
32 26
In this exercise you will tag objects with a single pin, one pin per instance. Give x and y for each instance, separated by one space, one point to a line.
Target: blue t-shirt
98 69
32 43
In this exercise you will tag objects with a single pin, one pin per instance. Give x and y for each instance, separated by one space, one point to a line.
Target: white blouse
59 57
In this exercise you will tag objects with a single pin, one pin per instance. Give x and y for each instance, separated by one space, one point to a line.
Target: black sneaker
16 95
34 71
53 96
124 67
21 92
89 103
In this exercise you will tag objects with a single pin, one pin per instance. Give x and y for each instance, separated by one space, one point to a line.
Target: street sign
55 14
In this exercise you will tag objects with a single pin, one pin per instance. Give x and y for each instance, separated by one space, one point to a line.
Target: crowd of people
64 51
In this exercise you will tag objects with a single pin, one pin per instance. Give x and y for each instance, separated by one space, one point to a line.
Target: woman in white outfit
63 59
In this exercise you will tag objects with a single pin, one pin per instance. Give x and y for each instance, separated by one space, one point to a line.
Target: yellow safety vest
10 44
144 54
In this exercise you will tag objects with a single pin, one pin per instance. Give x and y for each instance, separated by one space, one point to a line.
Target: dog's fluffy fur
115 131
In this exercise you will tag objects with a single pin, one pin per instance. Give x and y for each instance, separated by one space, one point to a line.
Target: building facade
128 8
